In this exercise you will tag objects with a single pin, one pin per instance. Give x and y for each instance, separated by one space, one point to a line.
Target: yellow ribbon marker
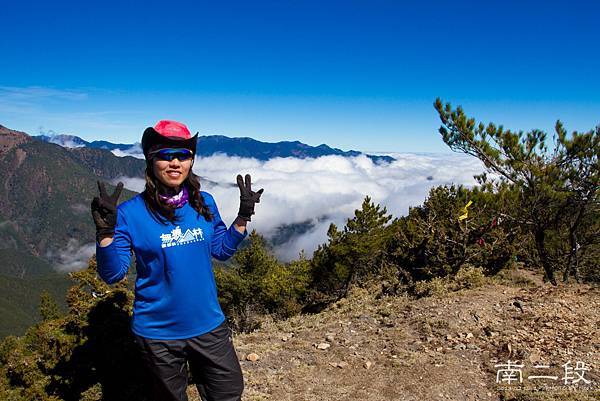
465 211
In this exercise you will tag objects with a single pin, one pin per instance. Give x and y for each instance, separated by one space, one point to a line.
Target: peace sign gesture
248 198
104 210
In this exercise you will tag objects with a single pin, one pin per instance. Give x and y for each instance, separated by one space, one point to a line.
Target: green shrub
437 286
431 241
257 284
468 277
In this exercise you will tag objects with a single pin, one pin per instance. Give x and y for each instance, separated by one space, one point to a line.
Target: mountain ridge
208 145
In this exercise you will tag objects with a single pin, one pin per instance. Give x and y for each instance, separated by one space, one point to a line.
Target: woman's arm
113 253
106 241
240 225
224 241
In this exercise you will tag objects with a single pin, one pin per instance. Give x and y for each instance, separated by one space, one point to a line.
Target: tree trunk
548 268
571 266
574 247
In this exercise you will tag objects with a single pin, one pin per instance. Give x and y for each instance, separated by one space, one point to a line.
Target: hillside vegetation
44 208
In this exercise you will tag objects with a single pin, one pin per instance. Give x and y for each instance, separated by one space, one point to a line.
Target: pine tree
48 307
558 187
352 255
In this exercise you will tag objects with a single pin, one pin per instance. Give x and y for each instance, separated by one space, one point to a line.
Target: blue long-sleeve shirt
175 290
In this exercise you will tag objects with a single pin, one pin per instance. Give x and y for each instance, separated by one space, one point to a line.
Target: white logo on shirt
176 237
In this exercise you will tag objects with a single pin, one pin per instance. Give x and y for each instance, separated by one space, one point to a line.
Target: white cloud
134 151
297 190
66 143
39 92
54 107
74 256
322 191
81 208
132 183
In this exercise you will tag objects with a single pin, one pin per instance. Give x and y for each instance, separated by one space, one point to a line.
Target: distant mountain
72 141
47 190
69 141
209 145
105 164
44 207
248 147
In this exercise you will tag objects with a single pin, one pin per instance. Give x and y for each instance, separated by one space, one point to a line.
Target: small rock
518 305
340 365
368 365
323 346
469 335
252 357
534 357
330 337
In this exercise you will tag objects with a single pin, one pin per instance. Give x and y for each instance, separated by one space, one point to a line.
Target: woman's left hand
248 198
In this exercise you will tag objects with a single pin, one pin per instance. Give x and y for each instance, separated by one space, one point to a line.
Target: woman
174 229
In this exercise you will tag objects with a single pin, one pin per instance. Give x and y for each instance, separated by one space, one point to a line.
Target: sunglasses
169 154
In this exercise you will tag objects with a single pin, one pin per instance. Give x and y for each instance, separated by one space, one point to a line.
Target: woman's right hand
248 197
104 211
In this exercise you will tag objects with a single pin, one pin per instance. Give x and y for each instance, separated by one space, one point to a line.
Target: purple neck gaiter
176 200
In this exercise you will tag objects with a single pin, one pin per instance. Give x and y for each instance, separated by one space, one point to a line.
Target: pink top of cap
172 129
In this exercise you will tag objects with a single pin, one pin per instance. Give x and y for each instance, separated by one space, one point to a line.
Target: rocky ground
370 347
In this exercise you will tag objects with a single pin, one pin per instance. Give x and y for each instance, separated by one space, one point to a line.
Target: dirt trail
434 348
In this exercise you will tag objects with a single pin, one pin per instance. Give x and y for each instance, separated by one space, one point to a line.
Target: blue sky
353 74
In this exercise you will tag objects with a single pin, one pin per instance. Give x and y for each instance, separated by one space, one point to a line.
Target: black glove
104 211
247 197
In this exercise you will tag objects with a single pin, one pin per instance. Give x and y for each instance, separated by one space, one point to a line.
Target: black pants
212 360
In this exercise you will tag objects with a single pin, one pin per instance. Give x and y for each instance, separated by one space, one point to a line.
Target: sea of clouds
320 191
323 190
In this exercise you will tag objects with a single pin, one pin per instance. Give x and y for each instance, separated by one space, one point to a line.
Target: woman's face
171 173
